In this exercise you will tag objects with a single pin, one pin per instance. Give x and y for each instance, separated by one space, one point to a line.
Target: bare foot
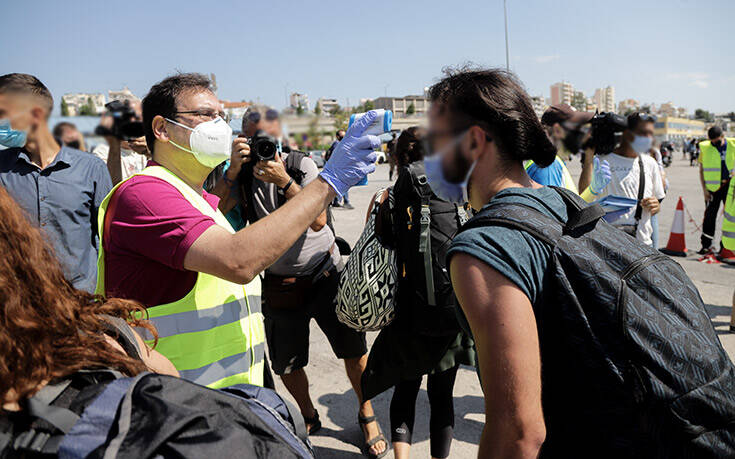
370 431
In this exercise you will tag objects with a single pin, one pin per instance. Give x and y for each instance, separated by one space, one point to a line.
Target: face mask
210 142
11 138
641 144
74 144
717 144
453 192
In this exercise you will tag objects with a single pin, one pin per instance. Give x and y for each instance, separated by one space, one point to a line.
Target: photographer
126 152
302 284
628 180
564 126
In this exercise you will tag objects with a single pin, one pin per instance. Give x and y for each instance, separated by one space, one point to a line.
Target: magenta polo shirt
150 228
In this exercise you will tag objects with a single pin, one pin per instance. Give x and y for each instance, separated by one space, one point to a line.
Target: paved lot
331 391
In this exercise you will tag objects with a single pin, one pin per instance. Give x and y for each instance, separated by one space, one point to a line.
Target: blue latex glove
354 156
601 176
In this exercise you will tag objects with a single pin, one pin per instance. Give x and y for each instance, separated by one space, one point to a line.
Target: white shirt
625 179
132 162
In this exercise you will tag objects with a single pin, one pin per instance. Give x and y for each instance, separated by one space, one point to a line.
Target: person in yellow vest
165 244
562 124
716 162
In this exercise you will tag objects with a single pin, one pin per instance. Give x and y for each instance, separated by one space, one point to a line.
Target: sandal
378 438
316 424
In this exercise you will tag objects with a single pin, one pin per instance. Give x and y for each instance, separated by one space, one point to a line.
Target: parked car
317 156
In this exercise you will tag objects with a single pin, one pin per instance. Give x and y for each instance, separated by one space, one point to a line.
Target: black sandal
378 438
316 424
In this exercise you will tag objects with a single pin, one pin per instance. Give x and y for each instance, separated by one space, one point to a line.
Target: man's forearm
585 178
114 162
263 242
223 191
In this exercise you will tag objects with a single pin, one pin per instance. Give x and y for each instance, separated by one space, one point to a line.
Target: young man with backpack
590 343
302 284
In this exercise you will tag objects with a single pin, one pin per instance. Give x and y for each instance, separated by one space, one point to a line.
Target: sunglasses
270 115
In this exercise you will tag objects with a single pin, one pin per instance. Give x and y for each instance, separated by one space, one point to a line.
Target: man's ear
160 128
477 139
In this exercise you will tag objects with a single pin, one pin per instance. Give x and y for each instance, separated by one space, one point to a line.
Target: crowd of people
205 250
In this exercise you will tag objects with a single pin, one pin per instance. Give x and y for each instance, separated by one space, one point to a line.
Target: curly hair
495 100
49 329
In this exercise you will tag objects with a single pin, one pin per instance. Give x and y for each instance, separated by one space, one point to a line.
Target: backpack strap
641 190
293 166
123 334
421 185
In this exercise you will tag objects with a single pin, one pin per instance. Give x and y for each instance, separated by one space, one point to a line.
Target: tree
341 119
731 115
411 109
368 105
64 108
88 109
645 109
318 109
700 114
300 110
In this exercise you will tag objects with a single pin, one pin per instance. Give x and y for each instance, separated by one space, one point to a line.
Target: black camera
263 146
606 131
125 124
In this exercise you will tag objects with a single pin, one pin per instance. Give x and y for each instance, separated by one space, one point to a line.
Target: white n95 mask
210 142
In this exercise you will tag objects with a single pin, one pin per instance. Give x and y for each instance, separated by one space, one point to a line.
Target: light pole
505 14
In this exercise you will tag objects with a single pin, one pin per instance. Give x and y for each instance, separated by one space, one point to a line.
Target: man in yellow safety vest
164 243
716 162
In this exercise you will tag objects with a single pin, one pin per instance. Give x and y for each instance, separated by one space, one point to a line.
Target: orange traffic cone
677 245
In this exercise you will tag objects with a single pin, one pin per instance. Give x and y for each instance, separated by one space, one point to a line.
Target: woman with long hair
50 330
423 339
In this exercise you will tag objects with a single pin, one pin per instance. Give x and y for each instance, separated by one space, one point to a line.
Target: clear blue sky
653 51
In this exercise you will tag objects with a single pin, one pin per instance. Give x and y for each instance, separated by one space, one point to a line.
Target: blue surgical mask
641 143
453 192
11 138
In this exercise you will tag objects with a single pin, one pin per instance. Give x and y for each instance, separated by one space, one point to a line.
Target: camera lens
266 150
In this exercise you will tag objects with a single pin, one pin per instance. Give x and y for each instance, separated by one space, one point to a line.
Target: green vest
567 181
712 164
214 335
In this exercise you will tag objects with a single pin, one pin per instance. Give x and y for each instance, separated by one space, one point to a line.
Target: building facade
539 105
326 105
400 105
604 99
122 95
73 104
678 129
299 100
562 93
234 110
628 105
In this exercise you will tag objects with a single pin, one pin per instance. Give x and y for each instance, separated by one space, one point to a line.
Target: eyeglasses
270 115
203 114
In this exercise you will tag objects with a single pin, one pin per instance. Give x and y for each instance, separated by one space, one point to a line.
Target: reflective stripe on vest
728 222
567 181
214 335
712 163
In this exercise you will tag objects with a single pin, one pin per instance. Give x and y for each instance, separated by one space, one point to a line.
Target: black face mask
717 143
573 141
74 144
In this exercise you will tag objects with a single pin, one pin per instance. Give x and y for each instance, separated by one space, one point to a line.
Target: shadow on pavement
465 430
714 310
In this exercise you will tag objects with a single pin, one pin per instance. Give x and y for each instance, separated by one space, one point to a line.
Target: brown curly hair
49 329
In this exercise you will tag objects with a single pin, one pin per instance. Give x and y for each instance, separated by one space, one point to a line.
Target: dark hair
714 132
59 128
495 100
23 83
161 99
410 146
636 118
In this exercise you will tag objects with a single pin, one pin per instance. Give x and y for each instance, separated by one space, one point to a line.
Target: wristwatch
282 191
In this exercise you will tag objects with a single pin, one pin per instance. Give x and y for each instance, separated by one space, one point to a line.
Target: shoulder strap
293 163
641 190
421 185
123 334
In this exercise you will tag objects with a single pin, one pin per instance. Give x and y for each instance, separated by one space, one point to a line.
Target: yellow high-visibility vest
712 163
215 334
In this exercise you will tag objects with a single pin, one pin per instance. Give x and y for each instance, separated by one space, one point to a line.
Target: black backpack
631 365
423 228
101 413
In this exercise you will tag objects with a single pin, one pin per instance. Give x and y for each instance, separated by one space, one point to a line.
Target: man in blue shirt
59 188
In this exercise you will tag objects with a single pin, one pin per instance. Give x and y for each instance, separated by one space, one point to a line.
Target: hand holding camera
272 171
